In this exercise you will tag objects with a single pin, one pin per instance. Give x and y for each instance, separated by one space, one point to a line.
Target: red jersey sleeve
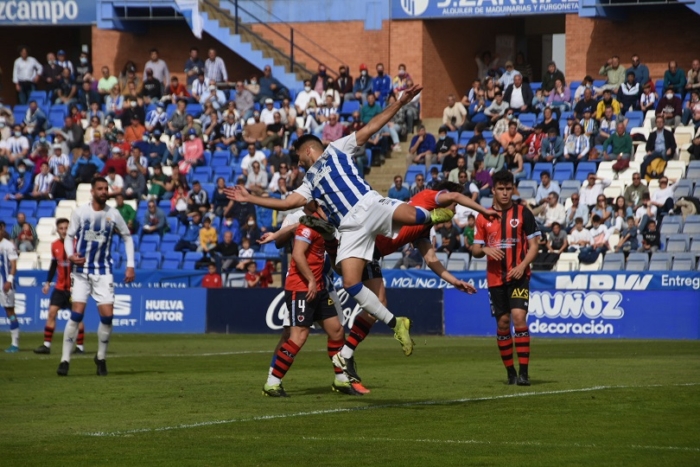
480 231
306 234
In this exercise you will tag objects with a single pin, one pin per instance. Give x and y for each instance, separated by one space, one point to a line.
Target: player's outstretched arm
240 194
446 199
428 252
123 229
377 123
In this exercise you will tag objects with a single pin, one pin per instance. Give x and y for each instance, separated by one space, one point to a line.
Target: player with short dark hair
510 245
60 297
308 301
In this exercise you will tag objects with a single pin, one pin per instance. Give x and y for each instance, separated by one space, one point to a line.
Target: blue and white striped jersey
8 253
334 182
92 232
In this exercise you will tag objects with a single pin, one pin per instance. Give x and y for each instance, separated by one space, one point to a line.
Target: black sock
392 323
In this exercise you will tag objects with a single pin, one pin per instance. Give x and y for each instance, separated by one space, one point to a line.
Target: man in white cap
58 158
267 115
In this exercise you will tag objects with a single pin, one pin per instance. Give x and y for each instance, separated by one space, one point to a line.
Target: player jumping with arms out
60 297
308 301
358 212
92 227
8 269
510 246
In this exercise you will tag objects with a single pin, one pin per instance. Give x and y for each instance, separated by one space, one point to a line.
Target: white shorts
99 286
371 216
7 300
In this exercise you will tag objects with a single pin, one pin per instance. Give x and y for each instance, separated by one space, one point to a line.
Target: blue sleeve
27 188
74 170
430 142
98 162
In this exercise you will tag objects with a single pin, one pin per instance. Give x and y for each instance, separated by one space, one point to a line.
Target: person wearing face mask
214 96
253 86
83 68
399 82
670 108
21 183
344 82
193 155
215 68
51 74
157 119
271 87
133 110
152 88
381 84
444 142
304 96
34 119
17 146
362 86
319 79
552 146
245 101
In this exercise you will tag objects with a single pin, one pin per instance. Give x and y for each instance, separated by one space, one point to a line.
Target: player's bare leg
522 344
406 214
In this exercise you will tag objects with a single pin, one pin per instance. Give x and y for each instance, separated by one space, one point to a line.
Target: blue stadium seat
28 207
209 188
349 107
7 210
613 262
668 228
535 86
264 217
637 262
170 110
149 264
568 188
412 171
454 135
170 264
19 111
563 171
189 265
223 171
194 109
660 262
168 245
172 256
269 249
45 211
678 243
192 256
150 243
539 168
584 168
173 223
527 119
164 204
219 161
201 174
116 260
527 189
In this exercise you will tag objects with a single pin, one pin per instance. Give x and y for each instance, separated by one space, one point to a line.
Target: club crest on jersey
514 223
306 233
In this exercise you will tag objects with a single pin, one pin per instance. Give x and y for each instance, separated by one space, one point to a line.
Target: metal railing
289 38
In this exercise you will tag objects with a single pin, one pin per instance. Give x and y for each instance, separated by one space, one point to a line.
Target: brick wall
667 34
173 41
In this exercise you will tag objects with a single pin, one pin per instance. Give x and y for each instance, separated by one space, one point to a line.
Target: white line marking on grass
174 355
501 443
373 407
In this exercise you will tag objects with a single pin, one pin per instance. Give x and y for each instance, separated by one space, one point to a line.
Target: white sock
69 336
103 333
81 347
14 333
341 378
47 344
371 304
346 352
273 380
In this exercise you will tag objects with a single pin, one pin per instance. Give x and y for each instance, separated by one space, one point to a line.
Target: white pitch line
500 443
372 407
175 355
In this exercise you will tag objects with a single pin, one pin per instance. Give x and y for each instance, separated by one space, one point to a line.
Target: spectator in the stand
539 102
197 200
152 87
512 137
607 101
257 180
552 147
58 158
198 86
64 184
560 97
546 187
513 162
615 74
629 93
482 178
693 79
114 103
549 212
193 152
362 87
271 87
318 79
207 237
606 126
115 182
587 102
34 119
189 240
134 132
645 213
42 183
518 95
418 185
254 155
575 211
158 67
550 76
691 110
245 101
117 161
621 143
255 131
251 231
493 157
227 250
23 235
128 213
663 197
661 141
590 191
51 75
25 74
137 161
454 115
634 192
576 146
66 92
507 78
450 160
134 185
157 151
485 64
87 166
215 68
444 141
345 82
193 65
651 238
17 145
268 112
213 96
641 71
532 147
212 280
176 90
674 78
399 82
275 132
304 96
670 107
422 148
381 84
453 175
370 109
107 82
332 131
589 124
497 108
398 191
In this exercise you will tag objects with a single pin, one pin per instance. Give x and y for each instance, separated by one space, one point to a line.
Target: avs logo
122 307
414 7
521 293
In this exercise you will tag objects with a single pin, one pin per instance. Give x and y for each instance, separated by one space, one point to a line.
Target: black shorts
303 313
506 297
61 299
372 271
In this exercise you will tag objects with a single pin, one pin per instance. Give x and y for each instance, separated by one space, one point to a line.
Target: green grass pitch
196 400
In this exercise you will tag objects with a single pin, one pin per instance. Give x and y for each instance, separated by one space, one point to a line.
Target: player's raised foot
101 367
512 377
12 349
402 334
63 369
345 387
360 388
42 349
274 390
78 351
440 215
523 379
326 230
348 367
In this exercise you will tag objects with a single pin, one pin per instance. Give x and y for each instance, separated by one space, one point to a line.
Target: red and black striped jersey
511 234
63 266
